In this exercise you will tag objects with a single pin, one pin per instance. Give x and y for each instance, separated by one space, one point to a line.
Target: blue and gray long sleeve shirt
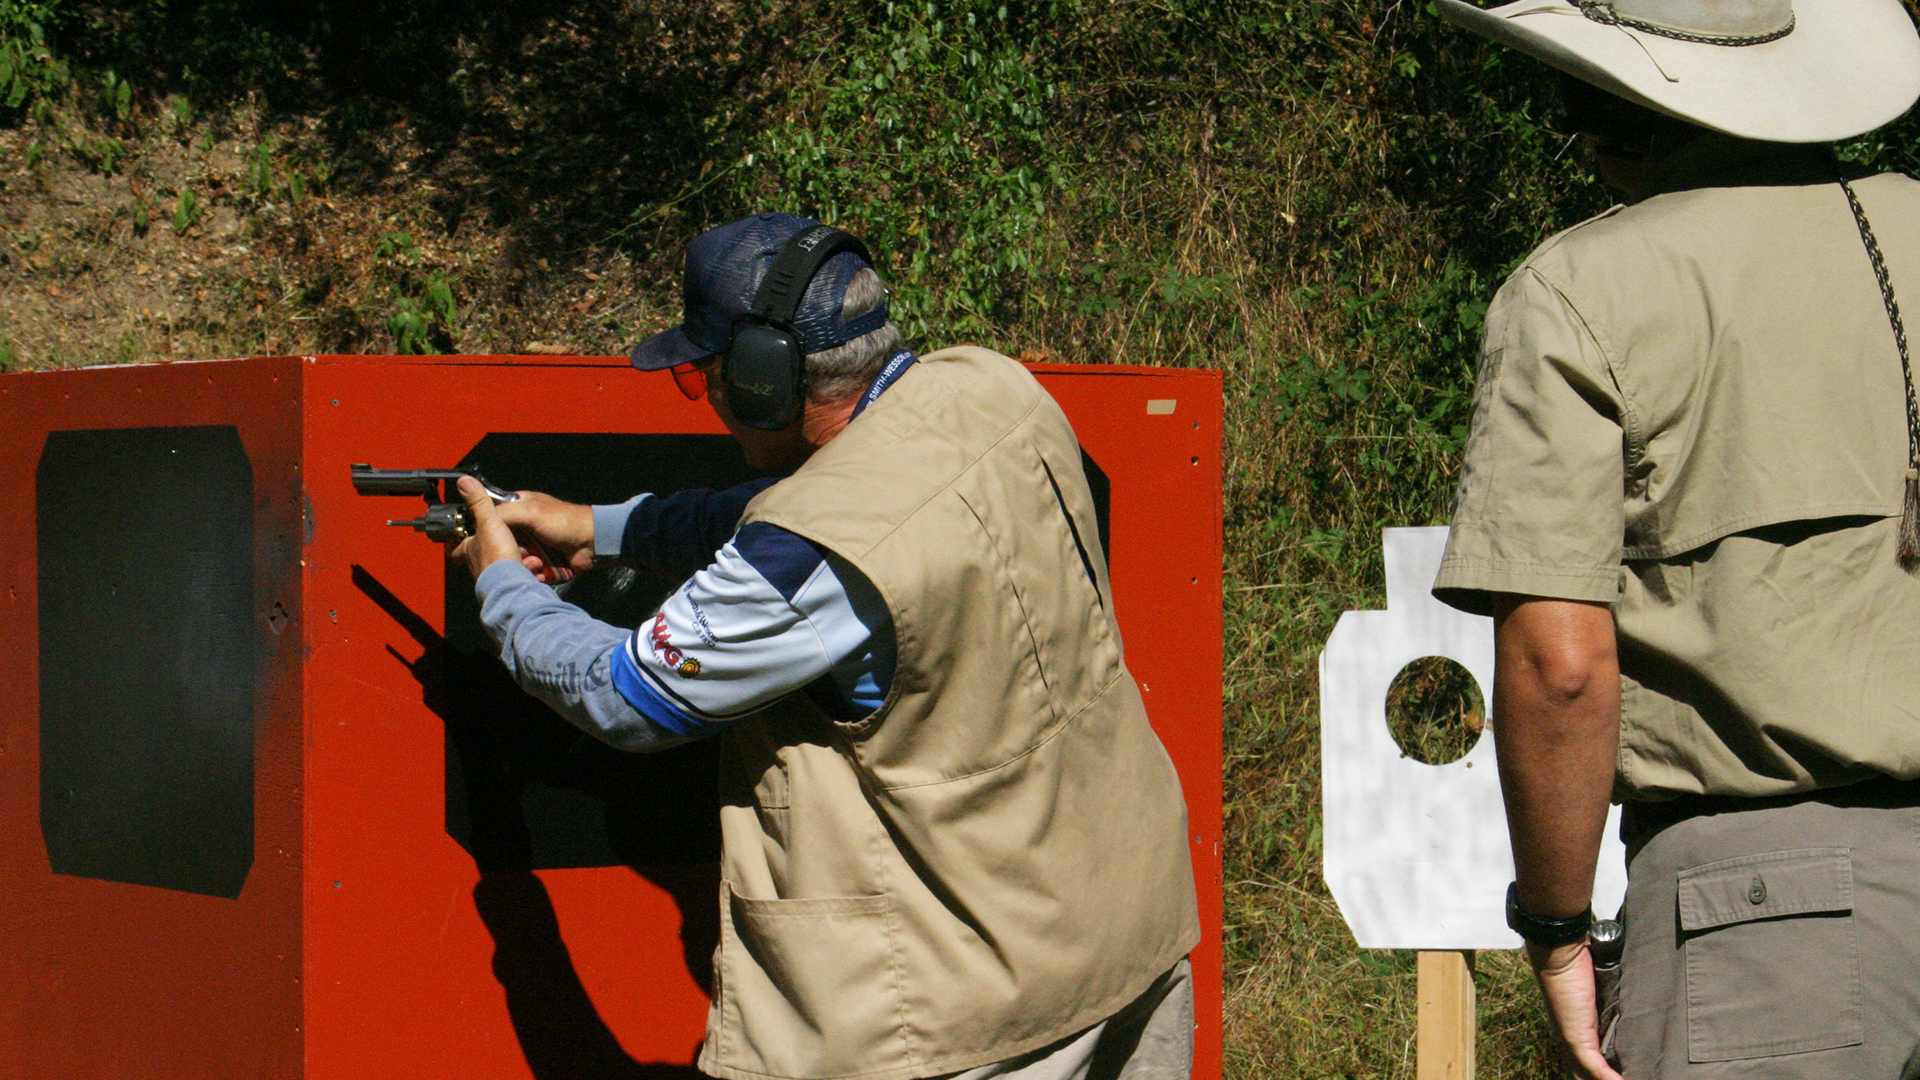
771 613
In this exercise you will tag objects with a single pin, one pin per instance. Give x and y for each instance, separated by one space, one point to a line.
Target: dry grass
1248 222
1315 197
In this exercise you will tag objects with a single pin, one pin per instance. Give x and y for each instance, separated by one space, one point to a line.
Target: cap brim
668 348
1849 66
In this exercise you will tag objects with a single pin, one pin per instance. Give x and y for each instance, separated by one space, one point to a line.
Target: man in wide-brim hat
1691 501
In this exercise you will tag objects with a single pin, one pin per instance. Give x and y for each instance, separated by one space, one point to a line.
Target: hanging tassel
1908 551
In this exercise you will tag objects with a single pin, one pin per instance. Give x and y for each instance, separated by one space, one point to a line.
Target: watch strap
1541 930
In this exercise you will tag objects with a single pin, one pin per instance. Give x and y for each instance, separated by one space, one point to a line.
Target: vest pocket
811 988
1772 955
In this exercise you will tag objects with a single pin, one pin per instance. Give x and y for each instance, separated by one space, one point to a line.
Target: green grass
1434 710
1317 197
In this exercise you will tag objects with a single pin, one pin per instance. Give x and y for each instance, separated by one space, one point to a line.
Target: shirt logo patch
662 648
683 665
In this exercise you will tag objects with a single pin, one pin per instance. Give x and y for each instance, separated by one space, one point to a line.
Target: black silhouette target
149 656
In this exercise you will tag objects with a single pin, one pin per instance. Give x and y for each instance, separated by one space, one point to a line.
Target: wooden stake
1444 1049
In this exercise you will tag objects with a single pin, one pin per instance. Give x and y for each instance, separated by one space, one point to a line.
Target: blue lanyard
897 366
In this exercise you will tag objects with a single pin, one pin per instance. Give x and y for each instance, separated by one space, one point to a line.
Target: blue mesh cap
723 273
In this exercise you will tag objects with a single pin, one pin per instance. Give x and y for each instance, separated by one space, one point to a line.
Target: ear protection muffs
764 370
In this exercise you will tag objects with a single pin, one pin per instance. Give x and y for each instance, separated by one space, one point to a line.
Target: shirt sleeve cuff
1470 585
610 525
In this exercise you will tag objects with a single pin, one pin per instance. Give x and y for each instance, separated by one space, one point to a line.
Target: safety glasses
691 378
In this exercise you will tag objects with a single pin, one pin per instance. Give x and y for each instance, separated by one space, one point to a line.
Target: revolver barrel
432 484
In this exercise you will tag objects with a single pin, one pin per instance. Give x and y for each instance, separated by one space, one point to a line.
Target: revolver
447 517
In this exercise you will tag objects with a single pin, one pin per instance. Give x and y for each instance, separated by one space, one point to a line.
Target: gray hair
845 370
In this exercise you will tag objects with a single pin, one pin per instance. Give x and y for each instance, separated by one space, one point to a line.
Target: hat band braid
1908 550
1601 11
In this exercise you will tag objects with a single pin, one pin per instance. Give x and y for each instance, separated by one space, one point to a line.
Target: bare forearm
1557 715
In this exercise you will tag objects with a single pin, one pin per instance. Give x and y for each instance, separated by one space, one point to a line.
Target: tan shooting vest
997 858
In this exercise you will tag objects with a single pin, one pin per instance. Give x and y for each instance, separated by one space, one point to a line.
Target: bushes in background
1316 196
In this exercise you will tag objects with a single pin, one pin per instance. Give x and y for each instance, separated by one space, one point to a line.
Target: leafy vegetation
186 210
1317 197
28 69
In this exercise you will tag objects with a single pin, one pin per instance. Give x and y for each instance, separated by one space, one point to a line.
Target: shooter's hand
1565 974
492 540
562 531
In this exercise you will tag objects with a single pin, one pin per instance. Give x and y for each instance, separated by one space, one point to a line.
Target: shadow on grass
555 118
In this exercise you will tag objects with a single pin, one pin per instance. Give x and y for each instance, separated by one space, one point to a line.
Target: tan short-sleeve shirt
1692 409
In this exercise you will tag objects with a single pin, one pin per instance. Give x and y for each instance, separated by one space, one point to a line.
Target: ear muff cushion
762 374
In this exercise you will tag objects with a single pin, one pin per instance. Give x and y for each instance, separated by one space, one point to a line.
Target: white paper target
1416 855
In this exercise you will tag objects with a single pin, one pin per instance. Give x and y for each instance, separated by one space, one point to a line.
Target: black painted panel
525 789
148 656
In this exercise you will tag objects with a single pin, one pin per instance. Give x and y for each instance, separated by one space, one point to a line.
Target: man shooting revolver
951 843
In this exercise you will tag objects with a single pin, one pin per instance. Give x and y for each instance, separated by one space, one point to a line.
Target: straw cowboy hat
1795 71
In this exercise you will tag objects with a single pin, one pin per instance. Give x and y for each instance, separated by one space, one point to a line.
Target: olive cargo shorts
1773 939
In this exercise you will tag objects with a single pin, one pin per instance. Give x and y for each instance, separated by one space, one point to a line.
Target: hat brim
668 348
1848 67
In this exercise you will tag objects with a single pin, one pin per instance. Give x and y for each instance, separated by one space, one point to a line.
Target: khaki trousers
1773 939
1150 1039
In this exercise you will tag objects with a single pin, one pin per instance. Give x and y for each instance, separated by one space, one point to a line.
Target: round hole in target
1435 711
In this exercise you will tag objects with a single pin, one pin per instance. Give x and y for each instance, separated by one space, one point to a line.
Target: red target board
270 808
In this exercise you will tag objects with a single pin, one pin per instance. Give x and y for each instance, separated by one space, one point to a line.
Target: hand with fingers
1565 974
559 534
492 540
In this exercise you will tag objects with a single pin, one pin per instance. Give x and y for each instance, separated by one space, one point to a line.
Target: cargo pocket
1773 960
811 986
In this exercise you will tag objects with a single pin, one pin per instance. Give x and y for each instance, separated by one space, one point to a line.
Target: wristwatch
1541 930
